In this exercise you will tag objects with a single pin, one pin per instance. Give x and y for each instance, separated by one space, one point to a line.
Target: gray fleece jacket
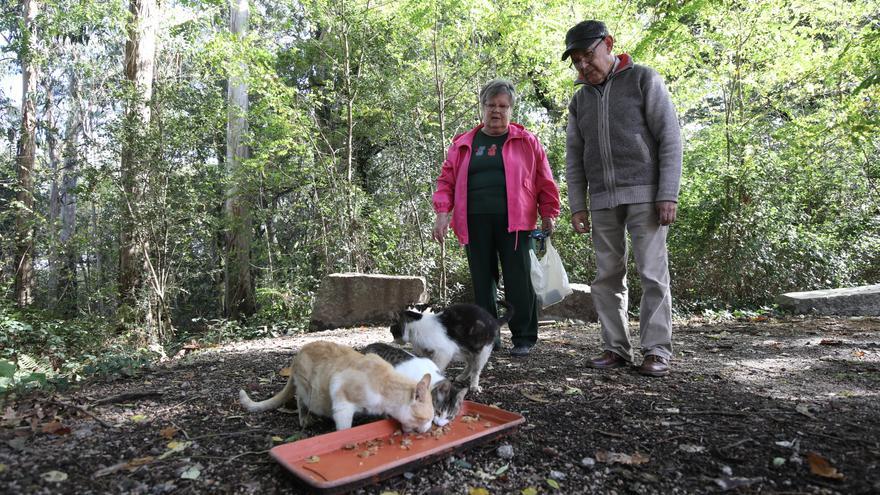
623 142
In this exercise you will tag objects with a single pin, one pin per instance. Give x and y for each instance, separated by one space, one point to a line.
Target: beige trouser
609 289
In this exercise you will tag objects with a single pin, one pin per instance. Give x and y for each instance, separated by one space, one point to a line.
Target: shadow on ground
746 405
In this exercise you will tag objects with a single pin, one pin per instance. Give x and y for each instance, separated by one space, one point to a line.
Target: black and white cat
461 332
446 395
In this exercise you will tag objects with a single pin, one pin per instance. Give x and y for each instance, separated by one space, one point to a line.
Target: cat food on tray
347 459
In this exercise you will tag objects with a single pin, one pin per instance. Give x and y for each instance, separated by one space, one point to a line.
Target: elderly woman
494 183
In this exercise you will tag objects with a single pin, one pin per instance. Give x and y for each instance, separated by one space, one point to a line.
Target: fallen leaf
137 418
529 491
618 458
821 467
140 461
805 410
784 443
110 469
293 438
54 476
312 459
191 473
858 353
731 483
534 397
174 447
277 439
478 491
691 449
553 484
498 472
168 433
56 428
2 468
573 391
285 372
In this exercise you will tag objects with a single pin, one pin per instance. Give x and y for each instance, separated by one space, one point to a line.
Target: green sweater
487 188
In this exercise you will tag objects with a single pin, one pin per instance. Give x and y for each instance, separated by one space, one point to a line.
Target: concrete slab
578 306
849 301
353 299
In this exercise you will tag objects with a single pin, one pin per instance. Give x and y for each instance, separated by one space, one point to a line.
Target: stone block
577 306
353 299
849 301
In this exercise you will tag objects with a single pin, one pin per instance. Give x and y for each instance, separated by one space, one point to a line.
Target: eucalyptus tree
26 157
140 52
239 294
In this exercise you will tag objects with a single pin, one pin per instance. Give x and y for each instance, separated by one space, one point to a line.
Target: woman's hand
441 225
547 225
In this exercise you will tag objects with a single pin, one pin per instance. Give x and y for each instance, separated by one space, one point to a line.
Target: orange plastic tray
366 454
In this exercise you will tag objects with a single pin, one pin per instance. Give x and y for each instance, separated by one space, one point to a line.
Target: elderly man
623 152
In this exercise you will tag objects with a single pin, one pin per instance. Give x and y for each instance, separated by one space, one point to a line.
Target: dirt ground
757 406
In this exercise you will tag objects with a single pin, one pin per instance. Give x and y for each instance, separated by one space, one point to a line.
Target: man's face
593 64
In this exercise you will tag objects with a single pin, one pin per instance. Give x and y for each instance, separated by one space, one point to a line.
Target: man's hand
441 225
666 212
581 222
547 225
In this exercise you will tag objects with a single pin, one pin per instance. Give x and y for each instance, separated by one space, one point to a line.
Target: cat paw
475 388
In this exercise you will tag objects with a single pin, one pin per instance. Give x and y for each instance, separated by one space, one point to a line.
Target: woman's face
496 114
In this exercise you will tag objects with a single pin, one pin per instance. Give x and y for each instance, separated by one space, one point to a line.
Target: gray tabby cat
445 394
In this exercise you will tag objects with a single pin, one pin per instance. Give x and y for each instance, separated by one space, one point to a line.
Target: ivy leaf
553 484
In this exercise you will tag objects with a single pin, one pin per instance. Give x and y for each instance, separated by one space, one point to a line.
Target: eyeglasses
585 55
492 107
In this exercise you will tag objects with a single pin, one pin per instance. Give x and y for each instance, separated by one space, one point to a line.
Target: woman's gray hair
496 87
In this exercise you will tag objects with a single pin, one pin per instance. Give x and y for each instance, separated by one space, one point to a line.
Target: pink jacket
530 185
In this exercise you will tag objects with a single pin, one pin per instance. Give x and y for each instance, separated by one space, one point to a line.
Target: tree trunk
67 281
24 220
54 190
239 287
140 50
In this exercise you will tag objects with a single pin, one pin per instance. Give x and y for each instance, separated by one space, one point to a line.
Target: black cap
583 35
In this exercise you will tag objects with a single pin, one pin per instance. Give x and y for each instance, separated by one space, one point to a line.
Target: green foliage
352 107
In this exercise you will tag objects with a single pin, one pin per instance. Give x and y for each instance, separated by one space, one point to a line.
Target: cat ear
423 387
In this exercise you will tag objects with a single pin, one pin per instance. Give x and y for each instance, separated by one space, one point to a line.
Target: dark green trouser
489 241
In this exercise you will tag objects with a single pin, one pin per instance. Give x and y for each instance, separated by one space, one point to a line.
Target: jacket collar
514 131
624 62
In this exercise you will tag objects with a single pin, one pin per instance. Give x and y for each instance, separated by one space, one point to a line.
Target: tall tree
27 150
140 52
239 286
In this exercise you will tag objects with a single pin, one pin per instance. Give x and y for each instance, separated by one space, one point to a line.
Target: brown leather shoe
654 365
607 361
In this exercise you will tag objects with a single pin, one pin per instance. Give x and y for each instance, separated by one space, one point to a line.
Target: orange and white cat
335 381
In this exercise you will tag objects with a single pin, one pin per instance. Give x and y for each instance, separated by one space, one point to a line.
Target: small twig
185 434
700 413
84 411
127 396
231 434
609 434
736 444
255 452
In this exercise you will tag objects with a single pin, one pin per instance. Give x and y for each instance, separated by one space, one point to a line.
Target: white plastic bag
548 277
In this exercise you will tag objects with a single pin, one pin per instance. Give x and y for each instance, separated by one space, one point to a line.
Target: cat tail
508 313
275 402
